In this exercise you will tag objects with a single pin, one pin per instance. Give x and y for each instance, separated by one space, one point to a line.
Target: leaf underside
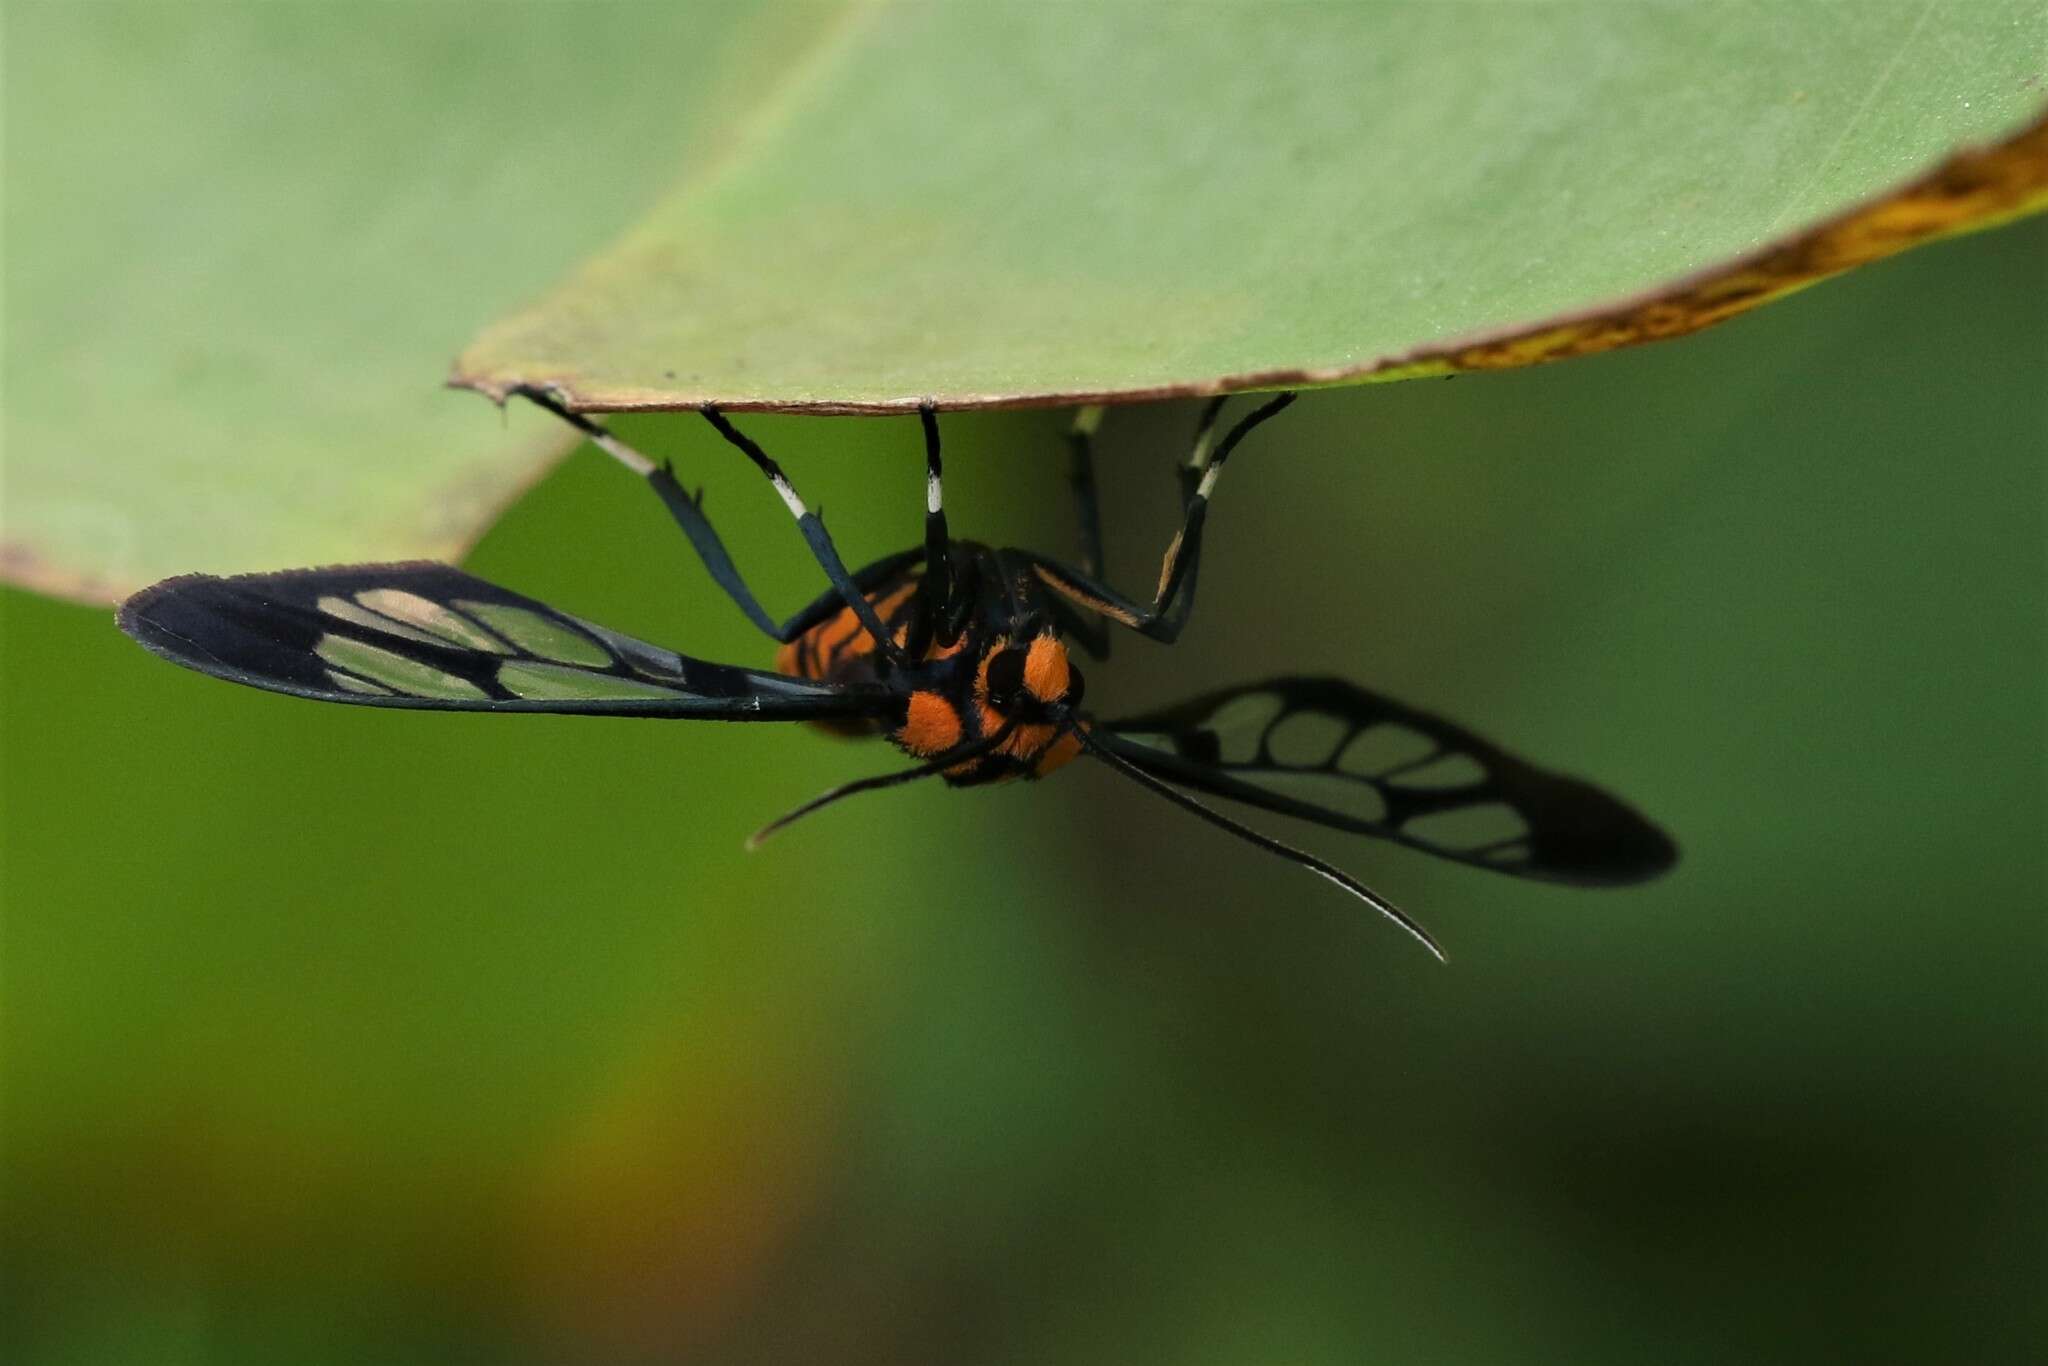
244 240
992 207
225 344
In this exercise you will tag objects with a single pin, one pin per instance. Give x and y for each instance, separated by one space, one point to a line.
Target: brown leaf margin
1974 189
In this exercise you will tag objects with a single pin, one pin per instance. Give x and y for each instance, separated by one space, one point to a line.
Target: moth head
1031 680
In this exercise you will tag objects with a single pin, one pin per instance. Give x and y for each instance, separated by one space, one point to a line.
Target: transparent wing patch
1331 752
427 635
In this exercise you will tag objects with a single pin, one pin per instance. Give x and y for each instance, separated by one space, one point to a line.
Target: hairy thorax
1005 674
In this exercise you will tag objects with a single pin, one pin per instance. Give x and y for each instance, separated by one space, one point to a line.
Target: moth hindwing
1331 752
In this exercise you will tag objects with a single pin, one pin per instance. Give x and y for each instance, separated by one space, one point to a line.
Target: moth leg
1191 472
1166 615
1081 476
936 587
688 512
1198 450
1090 630
1086 628
815 535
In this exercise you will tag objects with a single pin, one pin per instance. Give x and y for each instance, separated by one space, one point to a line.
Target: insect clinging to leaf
953 650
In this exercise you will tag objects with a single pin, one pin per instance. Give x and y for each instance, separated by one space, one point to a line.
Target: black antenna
1101 750
951 758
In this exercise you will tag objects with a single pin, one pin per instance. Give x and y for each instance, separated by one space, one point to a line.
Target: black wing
1330 752
426 635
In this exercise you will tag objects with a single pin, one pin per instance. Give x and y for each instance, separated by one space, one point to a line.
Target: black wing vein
1328 751
430 636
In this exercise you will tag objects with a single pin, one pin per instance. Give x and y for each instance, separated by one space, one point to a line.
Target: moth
954 651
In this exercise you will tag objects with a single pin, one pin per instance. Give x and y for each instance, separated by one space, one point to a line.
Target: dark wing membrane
1330 752
426 635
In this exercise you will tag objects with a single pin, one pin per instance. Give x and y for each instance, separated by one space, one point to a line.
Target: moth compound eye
1005 677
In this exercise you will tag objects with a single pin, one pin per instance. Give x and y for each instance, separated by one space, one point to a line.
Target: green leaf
244 240
1027 203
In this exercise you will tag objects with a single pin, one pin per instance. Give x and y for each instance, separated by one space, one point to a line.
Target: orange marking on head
938 651
788 659
1045 669
931 726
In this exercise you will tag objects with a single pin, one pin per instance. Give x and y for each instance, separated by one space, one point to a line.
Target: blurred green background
343 1035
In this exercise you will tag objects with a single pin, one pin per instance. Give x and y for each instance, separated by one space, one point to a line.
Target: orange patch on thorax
930 725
